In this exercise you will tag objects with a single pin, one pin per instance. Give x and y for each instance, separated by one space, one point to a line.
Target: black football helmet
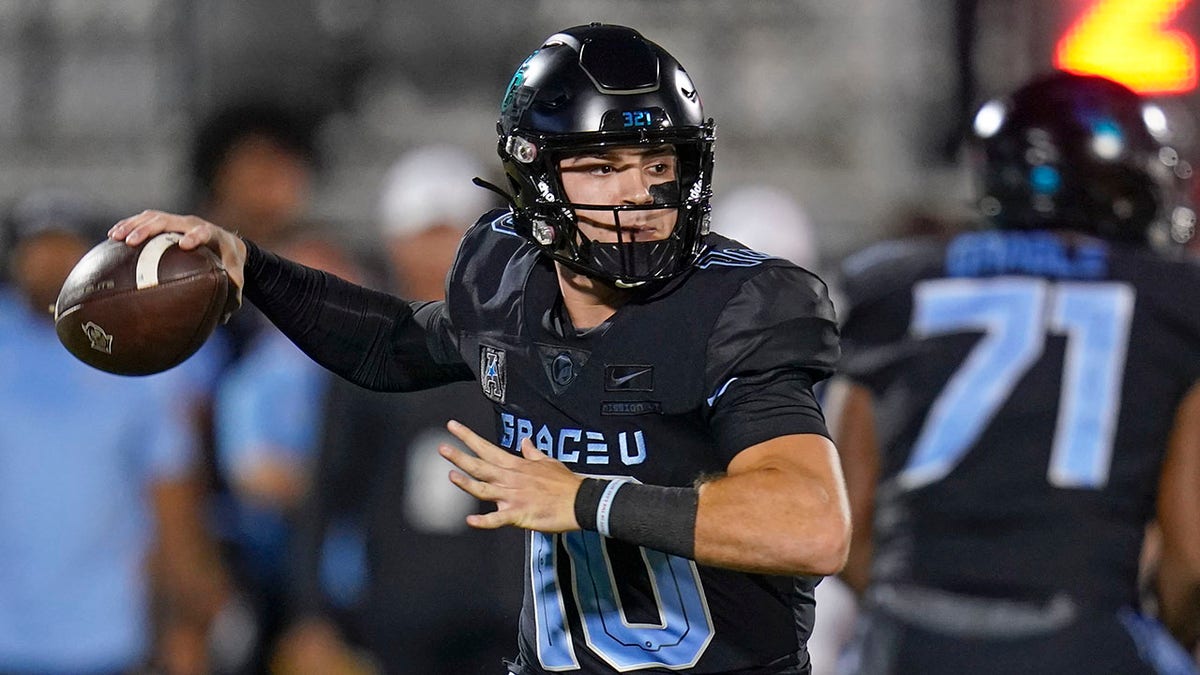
1083 153
603 86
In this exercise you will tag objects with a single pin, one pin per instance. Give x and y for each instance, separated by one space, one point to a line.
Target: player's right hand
196 232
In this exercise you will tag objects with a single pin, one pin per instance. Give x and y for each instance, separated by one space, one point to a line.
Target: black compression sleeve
367 337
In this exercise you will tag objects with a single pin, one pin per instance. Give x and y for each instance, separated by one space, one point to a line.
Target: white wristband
604 508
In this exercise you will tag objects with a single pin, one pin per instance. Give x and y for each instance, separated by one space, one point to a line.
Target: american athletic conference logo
492 375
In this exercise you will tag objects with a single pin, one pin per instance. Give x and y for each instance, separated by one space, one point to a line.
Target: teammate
656 430
1021 396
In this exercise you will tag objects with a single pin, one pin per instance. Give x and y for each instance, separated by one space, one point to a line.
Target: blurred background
853 106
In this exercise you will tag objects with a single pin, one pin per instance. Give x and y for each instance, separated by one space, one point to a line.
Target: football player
655 426
1018 401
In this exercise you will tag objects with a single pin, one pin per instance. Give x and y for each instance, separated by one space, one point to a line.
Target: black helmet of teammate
1083 153
602 86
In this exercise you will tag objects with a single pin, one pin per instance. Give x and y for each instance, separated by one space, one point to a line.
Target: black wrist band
586 501
660 518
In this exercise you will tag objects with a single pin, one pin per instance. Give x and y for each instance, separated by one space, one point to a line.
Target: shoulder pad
880 268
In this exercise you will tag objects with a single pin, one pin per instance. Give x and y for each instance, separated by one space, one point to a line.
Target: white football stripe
146 274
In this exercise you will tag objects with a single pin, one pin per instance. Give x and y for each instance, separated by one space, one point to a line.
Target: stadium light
1129 41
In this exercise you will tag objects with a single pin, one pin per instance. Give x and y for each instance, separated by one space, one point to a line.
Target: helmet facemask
552 221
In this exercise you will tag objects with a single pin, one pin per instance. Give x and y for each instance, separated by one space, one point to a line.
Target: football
137 310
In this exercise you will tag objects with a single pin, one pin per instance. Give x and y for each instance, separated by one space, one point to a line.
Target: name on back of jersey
979 254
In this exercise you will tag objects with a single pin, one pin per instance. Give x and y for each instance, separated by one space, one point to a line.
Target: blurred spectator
438 597
253 166
269 414
96 471
426 203
771 221
767 219
920 222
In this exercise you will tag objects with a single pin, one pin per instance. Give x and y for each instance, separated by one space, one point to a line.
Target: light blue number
1007 312
1012 314
628 118
676 642
685 627
554 647
1095 319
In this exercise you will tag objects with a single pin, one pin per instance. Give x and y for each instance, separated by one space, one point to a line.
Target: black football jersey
671 388
1025 384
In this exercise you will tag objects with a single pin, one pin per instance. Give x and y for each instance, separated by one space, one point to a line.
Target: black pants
919 640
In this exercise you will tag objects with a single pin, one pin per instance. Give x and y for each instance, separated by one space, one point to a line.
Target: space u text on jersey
574 446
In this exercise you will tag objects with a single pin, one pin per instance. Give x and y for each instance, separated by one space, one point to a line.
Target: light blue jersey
79 453
269 409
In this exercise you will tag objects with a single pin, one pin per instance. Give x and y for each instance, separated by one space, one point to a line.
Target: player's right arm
780 506
373 339
1178 513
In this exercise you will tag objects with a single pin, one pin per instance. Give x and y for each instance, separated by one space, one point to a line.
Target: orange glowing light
1127 41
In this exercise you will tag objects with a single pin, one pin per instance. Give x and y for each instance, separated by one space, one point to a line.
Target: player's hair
220 131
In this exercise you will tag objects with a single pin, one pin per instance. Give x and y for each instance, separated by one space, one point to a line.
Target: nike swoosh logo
618 381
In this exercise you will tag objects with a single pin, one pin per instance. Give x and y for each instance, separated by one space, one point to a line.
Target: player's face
620 177
262 187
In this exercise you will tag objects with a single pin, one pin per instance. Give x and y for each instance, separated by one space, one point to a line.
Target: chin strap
497 189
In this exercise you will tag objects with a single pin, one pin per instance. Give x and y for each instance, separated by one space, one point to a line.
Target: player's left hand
531 491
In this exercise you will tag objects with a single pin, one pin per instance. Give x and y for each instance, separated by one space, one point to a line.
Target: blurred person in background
1017 403
97 472
771 220
768 219
437 596
269 418
253 165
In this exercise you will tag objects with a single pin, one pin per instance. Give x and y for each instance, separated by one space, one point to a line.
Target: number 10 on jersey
676 642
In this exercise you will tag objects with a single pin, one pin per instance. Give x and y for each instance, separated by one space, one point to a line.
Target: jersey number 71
1015 316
